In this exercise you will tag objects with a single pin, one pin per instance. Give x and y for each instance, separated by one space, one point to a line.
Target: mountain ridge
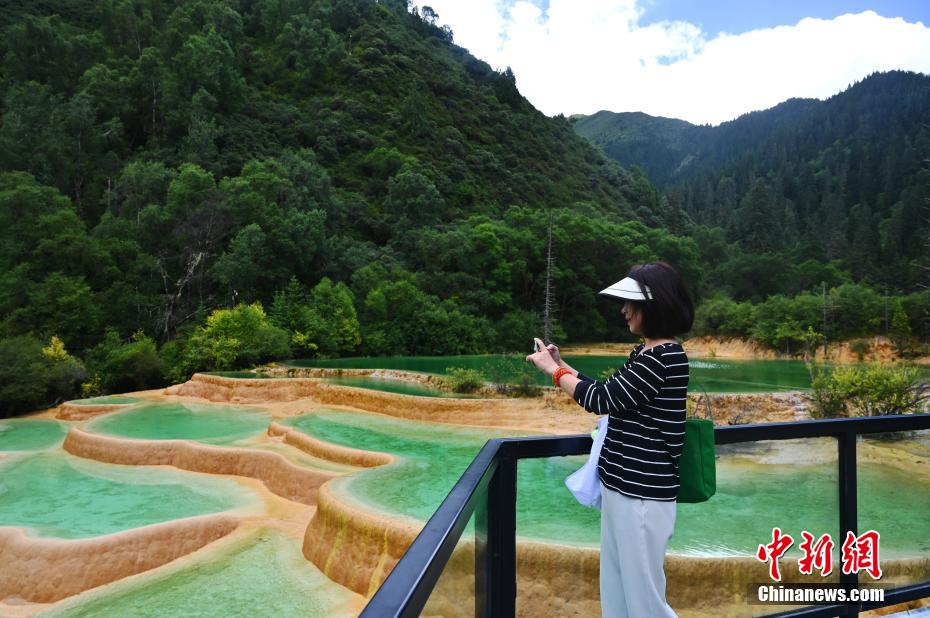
839 180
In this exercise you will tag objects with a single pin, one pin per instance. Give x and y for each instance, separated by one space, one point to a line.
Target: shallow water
404 387
242 375
27 434
298 457
751 498
105 400
58 495
212 424
711 375
265 575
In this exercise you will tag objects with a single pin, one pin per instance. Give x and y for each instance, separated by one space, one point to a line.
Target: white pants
634 535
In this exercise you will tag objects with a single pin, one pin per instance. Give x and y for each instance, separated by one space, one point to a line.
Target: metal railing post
846 458
496 544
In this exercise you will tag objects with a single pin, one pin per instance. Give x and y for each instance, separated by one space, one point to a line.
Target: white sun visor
626 289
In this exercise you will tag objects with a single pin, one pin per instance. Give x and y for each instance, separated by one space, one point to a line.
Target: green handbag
697 469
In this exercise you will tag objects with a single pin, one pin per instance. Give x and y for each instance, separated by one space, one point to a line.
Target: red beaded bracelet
561 371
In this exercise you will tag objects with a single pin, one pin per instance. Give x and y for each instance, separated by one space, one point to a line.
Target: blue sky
738 17
702 61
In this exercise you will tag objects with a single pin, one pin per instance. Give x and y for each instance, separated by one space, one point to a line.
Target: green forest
840 185
208 185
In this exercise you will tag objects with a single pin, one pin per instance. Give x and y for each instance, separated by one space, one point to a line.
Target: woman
638 464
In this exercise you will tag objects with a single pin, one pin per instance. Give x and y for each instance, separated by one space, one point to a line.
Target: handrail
411 586
492 476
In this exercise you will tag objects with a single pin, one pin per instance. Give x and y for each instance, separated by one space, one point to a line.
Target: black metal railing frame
488 489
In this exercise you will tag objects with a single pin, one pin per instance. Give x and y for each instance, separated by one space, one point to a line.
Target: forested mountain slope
207 185
168 158
837 180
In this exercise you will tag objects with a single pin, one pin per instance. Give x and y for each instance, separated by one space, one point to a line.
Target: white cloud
580 56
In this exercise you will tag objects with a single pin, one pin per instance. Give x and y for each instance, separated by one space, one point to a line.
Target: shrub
900 332
720 315
64 371
334 303
869 390
400 319
775 326
121 366
827 399
856 311
237 338
812 340
860 347
32 377
465 380
92 387
515 331
290 311
513 375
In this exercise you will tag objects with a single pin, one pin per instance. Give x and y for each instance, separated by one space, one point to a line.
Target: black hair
670 311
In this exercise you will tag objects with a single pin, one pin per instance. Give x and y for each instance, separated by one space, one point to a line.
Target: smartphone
536 347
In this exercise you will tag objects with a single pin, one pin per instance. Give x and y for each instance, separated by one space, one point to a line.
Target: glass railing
446 573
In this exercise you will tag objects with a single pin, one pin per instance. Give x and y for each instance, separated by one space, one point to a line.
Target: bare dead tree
926 209
548 304
200 235
168 320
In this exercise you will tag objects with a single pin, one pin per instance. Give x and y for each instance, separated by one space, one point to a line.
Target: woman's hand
554 352
543 359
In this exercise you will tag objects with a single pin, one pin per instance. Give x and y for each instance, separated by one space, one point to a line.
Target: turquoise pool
390 385
264 575
58 495
751 497
711 375
26 434
212 424
106 400
240 375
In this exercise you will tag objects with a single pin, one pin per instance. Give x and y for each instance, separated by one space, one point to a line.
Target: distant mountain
659 146
669 150
841 179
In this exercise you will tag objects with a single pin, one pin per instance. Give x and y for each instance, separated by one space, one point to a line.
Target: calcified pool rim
51 494
303 587
82 564
42 565
279 475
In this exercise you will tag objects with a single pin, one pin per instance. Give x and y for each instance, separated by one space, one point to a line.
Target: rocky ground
881 349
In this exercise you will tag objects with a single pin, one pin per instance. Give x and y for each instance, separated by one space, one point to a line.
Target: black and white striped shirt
646 429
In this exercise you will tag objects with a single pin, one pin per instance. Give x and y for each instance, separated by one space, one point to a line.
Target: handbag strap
704 397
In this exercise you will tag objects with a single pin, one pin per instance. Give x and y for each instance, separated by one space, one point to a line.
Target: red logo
858 553
861 553
774 550
819 554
